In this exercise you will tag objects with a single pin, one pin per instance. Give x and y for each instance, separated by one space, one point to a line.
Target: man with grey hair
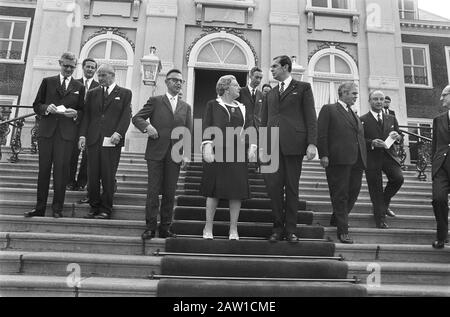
441 170
342 152
102 132
60 103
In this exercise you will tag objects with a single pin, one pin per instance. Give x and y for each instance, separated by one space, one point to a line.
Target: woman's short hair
224 83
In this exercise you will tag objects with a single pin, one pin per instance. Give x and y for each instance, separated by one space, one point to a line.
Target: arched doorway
327 69
211 57
112 49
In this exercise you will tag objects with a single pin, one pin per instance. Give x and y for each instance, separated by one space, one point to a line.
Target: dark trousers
102 167
284 183
162 179
380 198
81 180
344 183
56 152
441 189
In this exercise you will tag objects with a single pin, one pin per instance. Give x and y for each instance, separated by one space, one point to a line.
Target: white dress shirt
173 101
61 80
286 82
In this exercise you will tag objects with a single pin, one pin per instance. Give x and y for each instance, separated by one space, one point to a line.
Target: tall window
329 68
13 38
112 49
417 66
447 55
407 9
331 4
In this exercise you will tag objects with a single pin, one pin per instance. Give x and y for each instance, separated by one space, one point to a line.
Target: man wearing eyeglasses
440 150
165 113
59 102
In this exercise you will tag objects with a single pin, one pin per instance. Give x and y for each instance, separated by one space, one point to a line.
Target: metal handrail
18 118
416 135
16 106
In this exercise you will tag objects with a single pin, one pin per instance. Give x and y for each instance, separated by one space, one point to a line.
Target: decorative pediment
113 31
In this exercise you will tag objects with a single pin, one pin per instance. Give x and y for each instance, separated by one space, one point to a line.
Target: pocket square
117 98
295 93
76 92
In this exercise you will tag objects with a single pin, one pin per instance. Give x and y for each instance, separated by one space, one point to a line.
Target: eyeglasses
176 80
446 94
68 66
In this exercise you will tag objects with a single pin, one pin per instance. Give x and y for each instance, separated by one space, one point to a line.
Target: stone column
159 31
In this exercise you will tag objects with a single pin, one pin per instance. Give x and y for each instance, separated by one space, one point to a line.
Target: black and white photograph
224 155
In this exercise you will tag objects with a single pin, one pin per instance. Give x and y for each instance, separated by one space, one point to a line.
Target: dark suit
253 106
56 135
294 114
441 173
341 139
81 181
103 117
391 112
163 172
381 160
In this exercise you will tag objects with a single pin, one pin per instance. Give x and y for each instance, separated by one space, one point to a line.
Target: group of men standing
80 115
94 118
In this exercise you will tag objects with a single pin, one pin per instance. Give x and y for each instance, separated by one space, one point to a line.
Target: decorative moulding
353 15
389 83
106 30
46 62
247 5
326 45
160 8
284 18
59 5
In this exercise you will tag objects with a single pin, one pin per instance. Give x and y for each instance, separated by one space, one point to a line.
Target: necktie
351 114
253 95
105 95
282 88
64 87
380 121
173 102
86 84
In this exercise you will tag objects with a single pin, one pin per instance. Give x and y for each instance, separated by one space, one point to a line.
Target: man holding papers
59 102
106 120
381 132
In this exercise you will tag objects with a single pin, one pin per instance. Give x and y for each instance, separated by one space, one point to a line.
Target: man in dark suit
251 97
165 113
342 152
59 102
387 104
377 128
106 120
441 170
89 68
290 108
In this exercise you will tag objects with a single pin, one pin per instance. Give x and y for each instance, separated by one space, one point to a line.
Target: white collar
236 105
170 96
88 80
343 104
111 88
375 114
286 82
449 114
61 78
251 88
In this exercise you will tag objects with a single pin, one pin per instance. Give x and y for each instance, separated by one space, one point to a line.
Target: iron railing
15 126
423 147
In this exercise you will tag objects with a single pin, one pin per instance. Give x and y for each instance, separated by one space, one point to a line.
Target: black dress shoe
275 237
167 234
91 215
438 244
390 213
148 234
84 201
345 238
33 213
292 238
103 215
382 225
57 214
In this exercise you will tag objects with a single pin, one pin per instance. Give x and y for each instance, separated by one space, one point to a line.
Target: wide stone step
408 290
366 220
392 253
402 273
88 265
78 243
54 286
386 236
365 207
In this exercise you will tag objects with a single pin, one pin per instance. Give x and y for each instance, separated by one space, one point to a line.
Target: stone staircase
114 261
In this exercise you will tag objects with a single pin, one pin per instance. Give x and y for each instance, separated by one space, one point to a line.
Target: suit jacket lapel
288 90
348 116
59 88
110 98
70 88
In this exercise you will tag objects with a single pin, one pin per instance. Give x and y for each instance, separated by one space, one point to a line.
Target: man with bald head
381 158
441 170
102 132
